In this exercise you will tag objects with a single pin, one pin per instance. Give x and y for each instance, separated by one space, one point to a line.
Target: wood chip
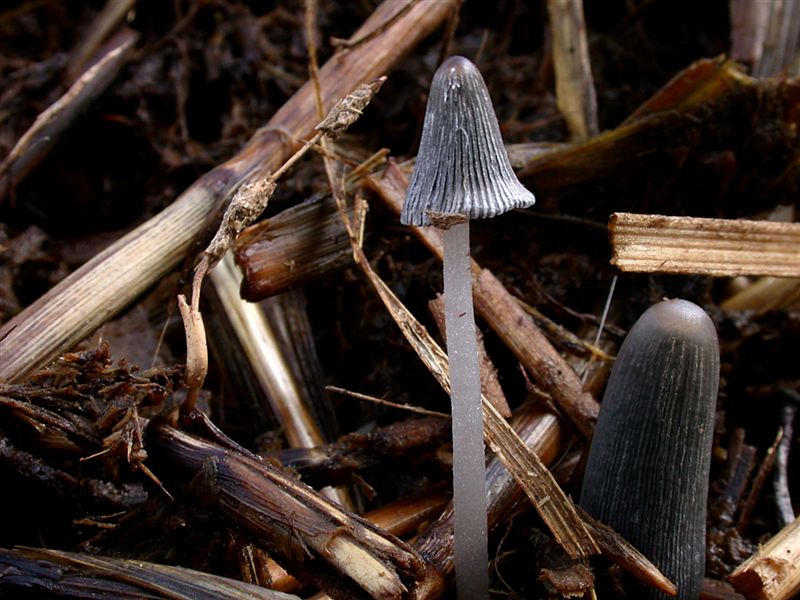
773 573
720 247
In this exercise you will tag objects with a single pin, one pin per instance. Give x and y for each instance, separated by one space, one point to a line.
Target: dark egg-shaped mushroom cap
462 166
648 466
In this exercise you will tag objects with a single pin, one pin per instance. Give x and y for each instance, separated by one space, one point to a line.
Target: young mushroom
647 471
462 172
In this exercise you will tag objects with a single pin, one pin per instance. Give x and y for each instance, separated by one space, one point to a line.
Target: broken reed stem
401 518
263 354
292 520
575 94
772 573
115 277
721 247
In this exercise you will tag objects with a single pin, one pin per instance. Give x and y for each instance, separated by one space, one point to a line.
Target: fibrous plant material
292 248
246 206
47 129
263 353
721 247
502 312
313 537
525 466
640 139
462 172
412 441
575 93
54 573
402 517
647 473
110 281
772 573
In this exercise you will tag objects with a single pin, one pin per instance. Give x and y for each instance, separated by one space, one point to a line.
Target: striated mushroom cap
648 466
462 166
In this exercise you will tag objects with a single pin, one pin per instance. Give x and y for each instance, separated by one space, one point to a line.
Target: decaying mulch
82 439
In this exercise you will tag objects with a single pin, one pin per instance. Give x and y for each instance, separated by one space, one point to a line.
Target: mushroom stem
469 471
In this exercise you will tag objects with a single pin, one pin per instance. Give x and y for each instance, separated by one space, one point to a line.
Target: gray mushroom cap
647 473
462 166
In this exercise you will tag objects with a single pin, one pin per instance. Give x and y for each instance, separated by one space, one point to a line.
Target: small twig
758 483
381 401
113 13
783 498
47 129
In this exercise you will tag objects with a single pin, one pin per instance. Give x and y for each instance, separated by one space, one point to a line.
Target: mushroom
462 171
647 471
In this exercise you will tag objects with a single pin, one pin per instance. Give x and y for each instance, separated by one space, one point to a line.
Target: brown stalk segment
530 346
721 247
772 573
575 93
504 315
108 19
292 248
46 130
548 498
411 441
402 517
314 538
110 281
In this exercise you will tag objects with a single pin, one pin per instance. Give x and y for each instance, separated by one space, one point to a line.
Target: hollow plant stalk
469 471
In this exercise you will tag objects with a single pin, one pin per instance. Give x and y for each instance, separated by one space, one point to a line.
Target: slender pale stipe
462 172
469 472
